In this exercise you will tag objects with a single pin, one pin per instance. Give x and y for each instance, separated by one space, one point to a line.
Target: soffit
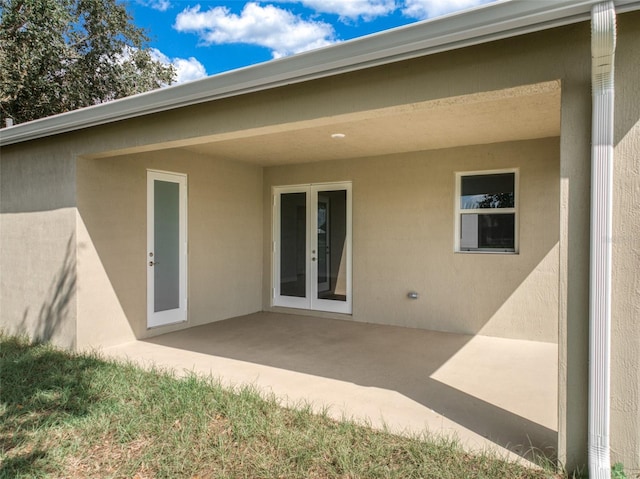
521 113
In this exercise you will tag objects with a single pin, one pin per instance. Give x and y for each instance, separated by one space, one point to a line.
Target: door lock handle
313 259
152 263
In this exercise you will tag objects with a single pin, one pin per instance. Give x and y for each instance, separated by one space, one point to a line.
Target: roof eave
489 23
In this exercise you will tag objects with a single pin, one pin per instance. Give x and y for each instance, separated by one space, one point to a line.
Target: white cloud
268 26
161 5
433 8
187 69
350 9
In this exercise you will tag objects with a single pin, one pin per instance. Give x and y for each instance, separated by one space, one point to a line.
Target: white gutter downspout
603 42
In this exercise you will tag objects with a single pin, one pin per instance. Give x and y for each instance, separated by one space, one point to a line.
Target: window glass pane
487 191
487 231
293 244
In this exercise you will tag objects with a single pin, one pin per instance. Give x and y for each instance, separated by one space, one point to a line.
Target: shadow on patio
486 391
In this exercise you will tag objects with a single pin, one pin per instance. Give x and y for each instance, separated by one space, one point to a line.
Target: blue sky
205 37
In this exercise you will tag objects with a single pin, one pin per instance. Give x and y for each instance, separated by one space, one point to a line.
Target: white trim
484 24
458 211
180 314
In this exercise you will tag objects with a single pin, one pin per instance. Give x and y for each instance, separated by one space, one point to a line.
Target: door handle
152 263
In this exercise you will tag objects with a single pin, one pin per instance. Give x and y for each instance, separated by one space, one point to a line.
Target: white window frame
460 211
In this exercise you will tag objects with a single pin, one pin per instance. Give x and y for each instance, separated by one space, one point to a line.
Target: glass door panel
331 245
323 243
293 244
166 249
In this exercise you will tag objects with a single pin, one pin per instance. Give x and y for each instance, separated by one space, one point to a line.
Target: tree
61 55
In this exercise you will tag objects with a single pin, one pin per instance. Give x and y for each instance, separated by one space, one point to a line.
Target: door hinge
273 293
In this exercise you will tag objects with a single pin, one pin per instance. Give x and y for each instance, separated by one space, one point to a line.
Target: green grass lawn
72 415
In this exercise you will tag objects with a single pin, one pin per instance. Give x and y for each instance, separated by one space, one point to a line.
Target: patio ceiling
521 113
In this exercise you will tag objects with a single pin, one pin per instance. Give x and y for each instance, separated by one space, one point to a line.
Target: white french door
166 248
312 247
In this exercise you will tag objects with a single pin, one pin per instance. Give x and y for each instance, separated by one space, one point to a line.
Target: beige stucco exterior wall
224 234
38 243
403 233
625 313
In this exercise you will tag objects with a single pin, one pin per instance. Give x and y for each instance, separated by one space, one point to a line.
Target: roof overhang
481 25
524 112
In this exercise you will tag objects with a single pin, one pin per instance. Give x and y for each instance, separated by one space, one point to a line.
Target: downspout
603 41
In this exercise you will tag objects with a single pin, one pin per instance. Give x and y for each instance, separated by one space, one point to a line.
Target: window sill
487 252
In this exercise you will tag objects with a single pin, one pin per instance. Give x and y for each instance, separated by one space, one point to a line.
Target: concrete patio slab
489 393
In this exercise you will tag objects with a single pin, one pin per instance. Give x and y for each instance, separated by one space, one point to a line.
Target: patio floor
488 392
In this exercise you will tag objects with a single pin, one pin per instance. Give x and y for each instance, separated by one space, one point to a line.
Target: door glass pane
331 253
166 234
293 244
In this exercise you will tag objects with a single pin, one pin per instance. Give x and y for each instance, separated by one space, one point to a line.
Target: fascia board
484 24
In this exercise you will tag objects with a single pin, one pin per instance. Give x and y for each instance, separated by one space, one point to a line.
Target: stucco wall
38 242
625 307
403 233
224 233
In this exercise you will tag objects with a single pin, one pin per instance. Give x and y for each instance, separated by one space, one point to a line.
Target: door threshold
309 312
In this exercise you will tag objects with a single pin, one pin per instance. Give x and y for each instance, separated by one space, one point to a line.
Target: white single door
166 248
312 247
